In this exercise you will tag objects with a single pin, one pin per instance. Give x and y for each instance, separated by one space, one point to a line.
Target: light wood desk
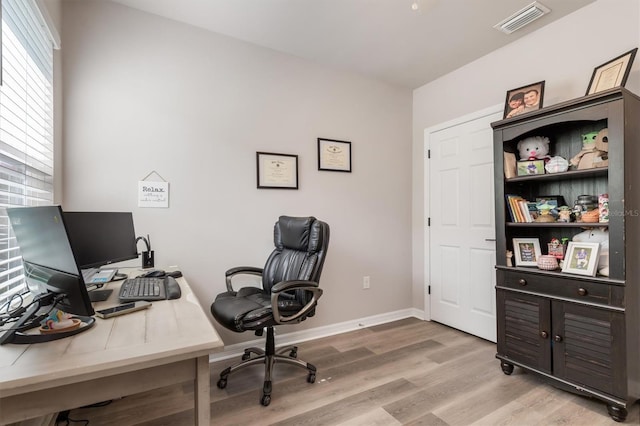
166 344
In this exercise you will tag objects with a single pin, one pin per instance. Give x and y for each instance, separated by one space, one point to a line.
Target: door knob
522 281
544 334
557 338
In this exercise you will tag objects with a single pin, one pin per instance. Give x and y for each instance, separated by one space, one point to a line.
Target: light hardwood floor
408 372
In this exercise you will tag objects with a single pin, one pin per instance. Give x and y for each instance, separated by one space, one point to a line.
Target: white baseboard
231 351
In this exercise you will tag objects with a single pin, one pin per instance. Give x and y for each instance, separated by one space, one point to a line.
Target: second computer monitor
101 238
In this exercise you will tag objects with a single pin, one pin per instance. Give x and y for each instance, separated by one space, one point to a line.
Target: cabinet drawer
563 287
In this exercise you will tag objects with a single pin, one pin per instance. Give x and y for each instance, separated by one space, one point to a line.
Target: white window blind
26 127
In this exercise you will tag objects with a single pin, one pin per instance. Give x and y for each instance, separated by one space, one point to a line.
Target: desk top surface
169 331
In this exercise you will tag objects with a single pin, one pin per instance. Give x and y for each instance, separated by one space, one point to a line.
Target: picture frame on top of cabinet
524 99
612 73
527 251
581 258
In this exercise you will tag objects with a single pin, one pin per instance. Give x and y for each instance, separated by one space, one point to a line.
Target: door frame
427 196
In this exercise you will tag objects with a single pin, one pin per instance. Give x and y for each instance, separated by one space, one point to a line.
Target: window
26 127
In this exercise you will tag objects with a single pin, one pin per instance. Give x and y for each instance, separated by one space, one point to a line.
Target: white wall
143 93
563 53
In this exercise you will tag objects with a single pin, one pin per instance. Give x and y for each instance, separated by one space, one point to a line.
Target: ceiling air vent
522 17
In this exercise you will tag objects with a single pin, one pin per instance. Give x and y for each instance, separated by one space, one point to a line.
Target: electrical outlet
366 282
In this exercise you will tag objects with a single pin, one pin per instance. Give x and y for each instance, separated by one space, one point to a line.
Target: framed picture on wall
334 155
277 171
524 99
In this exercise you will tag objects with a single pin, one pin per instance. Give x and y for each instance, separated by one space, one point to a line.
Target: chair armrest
283 286
240 270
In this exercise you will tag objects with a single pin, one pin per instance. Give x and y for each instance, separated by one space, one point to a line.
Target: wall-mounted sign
153 194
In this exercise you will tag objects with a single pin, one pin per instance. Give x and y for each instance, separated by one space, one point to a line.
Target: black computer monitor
49 261
101 238
50 269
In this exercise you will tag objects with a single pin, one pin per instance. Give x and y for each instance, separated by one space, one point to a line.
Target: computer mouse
174 274
158 273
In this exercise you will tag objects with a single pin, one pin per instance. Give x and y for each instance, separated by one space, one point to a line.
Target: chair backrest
300 248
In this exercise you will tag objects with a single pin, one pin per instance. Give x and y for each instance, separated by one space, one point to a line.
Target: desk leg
202 404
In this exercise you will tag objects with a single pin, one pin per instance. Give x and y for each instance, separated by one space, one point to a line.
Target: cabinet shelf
557 224
572 174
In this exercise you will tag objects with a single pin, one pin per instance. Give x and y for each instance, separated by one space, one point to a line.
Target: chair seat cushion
249 309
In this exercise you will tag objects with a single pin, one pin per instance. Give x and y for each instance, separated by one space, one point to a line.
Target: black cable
7 304
37 318
63 416
85 421
99 404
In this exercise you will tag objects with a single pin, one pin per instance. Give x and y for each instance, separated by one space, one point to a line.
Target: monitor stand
30 319
100 295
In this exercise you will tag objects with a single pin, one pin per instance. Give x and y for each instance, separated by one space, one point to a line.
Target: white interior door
461 233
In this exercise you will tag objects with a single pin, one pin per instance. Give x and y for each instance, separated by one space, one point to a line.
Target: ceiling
383 39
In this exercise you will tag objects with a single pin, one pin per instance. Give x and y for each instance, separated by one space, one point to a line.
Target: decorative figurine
564 214
545 215
509 256
556 249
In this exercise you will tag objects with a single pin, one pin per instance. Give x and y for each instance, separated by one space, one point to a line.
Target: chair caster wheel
311 378
265 400
246 356
293 353
222 383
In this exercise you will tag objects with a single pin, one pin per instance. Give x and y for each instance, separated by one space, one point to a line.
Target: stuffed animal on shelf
597 236
594 153
534 148
602 147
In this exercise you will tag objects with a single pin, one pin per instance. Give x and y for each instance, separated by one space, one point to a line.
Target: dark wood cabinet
581 333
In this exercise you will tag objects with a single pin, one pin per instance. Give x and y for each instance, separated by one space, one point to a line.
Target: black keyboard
143 288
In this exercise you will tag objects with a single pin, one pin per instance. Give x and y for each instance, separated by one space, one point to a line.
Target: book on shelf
510 203
521 210
524 208
514 210
533 210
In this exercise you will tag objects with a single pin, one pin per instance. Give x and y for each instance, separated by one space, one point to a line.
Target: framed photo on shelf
524 99
612 74
581 258
334 155
530 167
527 251
554 200
279 171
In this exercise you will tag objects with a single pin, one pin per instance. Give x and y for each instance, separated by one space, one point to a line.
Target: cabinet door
524 329
589 347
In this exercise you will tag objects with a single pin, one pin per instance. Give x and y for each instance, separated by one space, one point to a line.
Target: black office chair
289 294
